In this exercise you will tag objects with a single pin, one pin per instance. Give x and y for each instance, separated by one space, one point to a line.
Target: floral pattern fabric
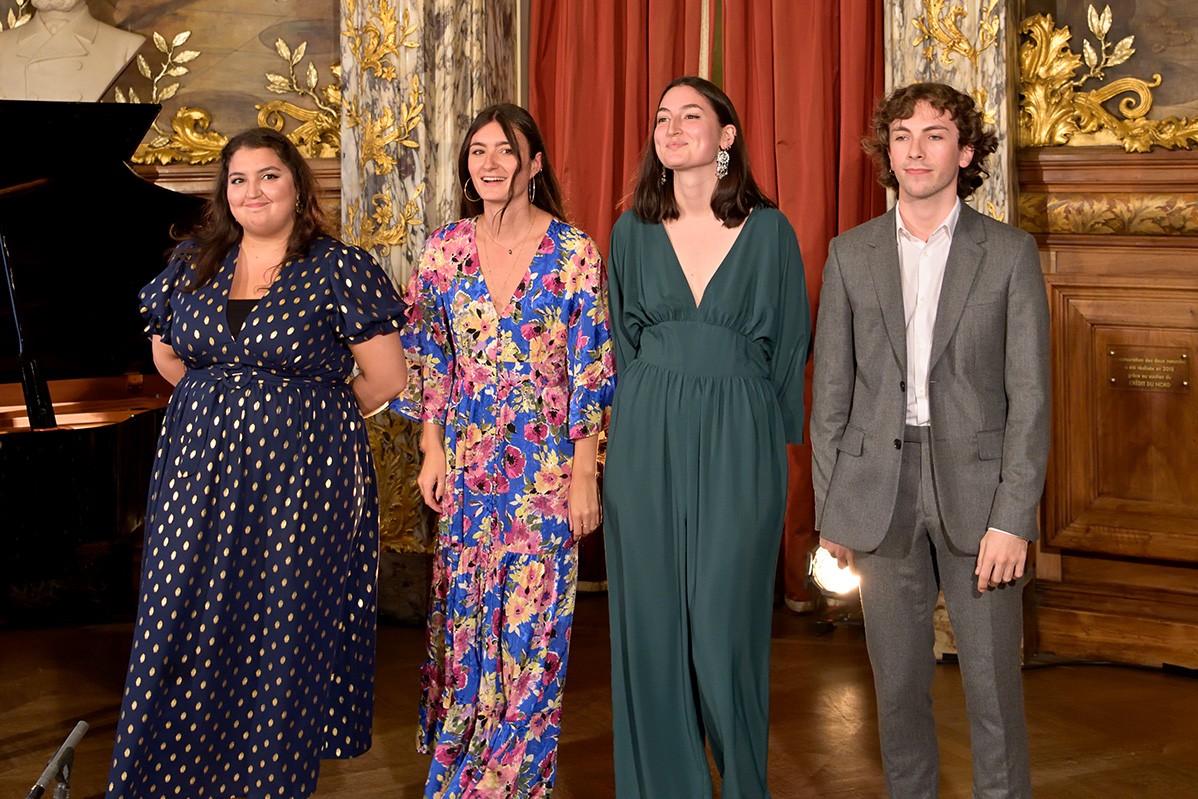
513 388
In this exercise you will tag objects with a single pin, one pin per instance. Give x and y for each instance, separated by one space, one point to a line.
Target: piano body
84 233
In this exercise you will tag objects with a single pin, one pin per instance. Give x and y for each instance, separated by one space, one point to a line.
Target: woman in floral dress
513 374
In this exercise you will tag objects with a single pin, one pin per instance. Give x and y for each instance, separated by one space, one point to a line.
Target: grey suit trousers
899 582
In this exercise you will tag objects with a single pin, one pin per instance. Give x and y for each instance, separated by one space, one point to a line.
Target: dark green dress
694 496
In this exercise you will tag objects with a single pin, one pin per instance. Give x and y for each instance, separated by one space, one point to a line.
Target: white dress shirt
922 264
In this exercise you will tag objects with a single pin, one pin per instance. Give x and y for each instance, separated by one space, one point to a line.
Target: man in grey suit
929 429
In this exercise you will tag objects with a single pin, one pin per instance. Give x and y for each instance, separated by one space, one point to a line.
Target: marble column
413 76
968 44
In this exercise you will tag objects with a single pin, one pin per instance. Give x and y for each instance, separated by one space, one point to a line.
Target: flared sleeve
428 346
590 354
792 344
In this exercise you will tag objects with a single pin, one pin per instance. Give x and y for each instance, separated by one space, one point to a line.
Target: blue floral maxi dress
253 652
513 390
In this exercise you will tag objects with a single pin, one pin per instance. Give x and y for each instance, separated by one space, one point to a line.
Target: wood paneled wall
1118 563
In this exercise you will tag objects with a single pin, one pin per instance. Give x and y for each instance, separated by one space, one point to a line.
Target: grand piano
80 401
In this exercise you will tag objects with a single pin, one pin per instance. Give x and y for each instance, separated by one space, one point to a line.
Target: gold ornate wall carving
1054 112
940 28
192 140
382 131
1109 213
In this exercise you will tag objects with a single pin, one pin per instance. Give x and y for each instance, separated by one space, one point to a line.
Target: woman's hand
583 509
433 470
582 505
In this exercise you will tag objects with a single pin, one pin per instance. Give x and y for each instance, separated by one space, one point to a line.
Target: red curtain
596 68
805 77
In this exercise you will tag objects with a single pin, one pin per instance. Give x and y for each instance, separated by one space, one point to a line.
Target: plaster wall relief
966 44
216 66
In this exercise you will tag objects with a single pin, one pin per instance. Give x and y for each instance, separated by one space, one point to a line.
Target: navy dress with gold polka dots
253 652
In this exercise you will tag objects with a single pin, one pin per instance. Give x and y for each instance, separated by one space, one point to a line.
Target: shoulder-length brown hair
218 230
512 119
735 195
945 99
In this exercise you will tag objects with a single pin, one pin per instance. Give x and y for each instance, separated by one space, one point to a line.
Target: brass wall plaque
1149 368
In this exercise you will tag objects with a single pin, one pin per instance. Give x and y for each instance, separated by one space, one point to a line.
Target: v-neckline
698 304
257 301
505 311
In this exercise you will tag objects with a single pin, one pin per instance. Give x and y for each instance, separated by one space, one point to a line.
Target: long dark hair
971 131
735 195
512 119
218 230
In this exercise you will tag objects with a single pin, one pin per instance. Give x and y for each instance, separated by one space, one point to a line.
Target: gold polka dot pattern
253 652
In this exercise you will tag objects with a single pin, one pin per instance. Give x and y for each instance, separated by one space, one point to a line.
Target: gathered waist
702 350
245 375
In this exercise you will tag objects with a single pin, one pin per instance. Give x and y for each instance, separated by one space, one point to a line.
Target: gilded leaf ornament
397 458
1054 112
940 30
319 133
380 229
380 138
191 141
378 41
18 15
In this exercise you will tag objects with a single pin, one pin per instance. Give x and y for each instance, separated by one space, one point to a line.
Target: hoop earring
662 180
532 189
466 193
722 159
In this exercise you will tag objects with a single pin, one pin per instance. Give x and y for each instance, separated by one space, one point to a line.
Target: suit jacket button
898 444
903 386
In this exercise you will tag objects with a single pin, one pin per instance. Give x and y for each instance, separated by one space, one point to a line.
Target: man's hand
1001 559
843 555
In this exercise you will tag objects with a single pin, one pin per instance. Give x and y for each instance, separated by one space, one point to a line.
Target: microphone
60 766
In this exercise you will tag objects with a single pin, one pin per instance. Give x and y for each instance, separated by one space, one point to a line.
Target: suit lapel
964 260
887 277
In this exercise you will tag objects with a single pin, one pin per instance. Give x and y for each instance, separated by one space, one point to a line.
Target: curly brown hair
218 230
944 98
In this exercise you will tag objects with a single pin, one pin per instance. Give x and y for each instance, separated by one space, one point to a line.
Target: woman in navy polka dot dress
253 653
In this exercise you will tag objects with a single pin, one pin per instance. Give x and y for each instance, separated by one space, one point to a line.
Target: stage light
828 577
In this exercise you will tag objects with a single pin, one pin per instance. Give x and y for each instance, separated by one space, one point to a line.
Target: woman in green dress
712 327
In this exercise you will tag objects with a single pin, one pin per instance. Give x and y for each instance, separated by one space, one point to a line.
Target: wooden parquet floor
1099 732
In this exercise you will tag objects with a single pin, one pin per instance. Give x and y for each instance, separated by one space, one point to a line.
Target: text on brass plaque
1149 368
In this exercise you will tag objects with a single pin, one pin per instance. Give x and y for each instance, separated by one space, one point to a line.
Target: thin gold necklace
510 250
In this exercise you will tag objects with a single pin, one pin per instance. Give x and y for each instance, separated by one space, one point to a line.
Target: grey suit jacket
988 384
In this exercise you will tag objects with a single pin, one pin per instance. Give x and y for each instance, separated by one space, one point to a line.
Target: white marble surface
993 77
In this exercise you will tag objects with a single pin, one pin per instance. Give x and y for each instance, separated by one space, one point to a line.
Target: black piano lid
84 233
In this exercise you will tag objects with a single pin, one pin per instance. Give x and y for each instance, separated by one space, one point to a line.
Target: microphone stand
60 767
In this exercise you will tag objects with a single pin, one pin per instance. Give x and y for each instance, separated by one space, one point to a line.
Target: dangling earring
662 180
466 193
532 189
722 159
299 206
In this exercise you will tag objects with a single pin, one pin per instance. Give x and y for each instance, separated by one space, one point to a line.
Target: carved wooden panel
1125 472
1117 566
